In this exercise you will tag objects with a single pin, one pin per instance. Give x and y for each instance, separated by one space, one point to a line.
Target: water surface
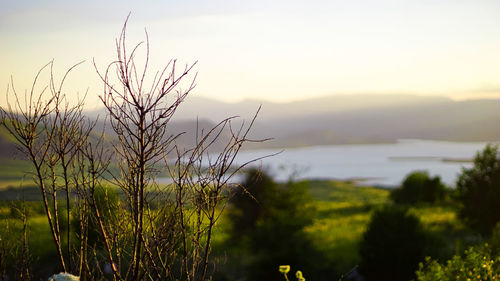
376 164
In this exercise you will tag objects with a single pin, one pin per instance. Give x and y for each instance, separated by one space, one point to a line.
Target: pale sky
274 50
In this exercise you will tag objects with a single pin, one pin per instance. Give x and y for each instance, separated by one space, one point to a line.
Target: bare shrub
153 231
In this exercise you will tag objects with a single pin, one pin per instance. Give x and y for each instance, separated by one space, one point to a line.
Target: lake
372 164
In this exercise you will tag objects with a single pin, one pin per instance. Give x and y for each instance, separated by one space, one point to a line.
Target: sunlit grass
4 211
437 216
346 191
39 237
342 210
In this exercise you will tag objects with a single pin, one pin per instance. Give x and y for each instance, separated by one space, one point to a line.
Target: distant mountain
344 119
475 120
359 119
204 108
340 119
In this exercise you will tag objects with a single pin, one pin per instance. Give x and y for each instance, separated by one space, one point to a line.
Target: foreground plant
49 132
284 269
478 263
299 276
156 232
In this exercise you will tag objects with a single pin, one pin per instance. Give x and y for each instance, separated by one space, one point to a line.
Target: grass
346 191
343 211
438 218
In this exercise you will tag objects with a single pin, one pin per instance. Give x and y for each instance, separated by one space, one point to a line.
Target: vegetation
284 269
268 225
340 211
419 187
136 229
478 263
95 210
393 245
479 191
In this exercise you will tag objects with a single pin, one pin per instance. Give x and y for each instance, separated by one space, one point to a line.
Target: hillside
339 119
475 120
351 119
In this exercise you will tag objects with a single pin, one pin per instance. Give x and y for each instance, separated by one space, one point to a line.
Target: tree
419 187
268 221
479 191
393 245
252 201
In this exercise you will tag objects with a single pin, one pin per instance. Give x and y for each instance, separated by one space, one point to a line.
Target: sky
264 50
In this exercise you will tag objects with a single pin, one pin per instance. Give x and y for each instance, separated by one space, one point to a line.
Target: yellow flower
284 269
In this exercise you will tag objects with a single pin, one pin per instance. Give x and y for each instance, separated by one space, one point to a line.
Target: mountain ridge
345 119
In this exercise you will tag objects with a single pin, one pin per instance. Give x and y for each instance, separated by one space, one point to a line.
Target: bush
393 245
69 153
419 187
478 263
494 240
252 201
479 191
268 222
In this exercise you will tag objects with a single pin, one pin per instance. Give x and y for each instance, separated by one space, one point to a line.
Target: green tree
255 197
479 191
268 226
393 245
419 187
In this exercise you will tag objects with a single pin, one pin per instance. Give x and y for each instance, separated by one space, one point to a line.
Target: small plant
299 276
284 269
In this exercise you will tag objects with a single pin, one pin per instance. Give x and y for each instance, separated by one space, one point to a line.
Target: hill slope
344 119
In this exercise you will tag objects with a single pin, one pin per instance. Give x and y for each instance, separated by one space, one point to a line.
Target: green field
342 212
